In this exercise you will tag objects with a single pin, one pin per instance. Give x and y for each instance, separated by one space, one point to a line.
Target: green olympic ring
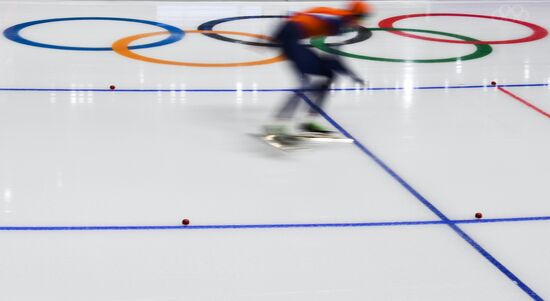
481 49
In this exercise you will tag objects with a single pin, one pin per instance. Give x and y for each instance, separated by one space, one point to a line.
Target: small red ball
112 87
493 83
185 222
479 215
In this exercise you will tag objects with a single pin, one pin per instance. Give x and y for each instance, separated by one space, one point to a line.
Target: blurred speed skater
318 21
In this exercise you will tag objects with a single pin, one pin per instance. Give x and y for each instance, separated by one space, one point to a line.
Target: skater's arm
355 77
339 66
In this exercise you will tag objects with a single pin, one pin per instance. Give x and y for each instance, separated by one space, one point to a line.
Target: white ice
173 142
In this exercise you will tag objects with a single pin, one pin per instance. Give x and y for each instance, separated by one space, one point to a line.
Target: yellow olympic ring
121 47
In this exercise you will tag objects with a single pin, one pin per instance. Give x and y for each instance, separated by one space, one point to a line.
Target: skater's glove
358 80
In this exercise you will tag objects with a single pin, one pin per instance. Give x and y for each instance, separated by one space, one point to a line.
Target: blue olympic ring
12 33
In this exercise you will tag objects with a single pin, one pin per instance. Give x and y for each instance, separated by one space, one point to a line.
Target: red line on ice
525 102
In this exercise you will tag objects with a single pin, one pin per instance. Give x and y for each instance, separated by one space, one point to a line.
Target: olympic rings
362 32
121 47
481 49
13 33
175 34
538 31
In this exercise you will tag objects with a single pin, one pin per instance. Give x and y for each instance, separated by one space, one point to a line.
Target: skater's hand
358 80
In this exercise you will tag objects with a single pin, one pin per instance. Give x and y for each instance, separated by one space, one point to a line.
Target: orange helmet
359 8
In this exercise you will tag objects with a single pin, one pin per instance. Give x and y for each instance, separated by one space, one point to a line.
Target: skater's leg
283 119
320 91
305 61
288 37
319 96
287 111
308 62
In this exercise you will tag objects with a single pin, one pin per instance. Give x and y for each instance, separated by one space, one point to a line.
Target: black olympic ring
362 32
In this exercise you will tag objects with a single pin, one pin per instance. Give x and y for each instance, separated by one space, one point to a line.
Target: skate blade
275 141
324 137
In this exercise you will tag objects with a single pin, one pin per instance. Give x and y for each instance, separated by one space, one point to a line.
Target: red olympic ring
538 31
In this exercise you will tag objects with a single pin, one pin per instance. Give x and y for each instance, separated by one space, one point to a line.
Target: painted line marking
261 90
275 226
425 202
523 101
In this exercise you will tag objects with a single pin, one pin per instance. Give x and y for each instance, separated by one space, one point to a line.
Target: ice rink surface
94 182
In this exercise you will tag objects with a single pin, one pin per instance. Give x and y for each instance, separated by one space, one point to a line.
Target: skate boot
314 131
280 136
315 127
